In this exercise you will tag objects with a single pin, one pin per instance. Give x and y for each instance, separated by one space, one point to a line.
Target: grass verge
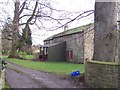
61 68
7 86
28 57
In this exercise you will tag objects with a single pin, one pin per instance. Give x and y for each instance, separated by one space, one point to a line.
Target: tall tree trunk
106 34
15 43
13 53
118 15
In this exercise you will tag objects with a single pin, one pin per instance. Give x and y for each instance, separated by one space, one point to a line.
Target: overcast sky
69 5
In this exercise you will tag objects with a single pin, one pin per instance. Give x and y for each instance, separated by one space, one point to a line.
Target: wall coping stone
103 63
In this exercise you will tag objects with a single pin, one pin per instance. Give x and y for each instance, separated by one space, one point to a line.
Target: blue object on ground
75 73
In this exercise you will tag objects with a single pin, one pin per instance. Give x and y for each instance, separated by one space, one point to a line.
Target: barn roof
70 31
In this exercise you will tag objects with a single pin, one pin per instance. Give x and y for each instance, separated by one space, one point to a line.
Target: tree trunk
118 15
106 34
15 31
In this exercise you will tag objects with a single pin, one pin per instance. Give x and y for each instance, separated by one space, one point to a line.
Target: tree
6 38
28 12
106 33
15 31
27 35
25 40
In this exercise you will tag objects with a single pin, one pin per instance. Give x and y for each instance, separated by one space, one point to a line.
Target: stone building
75 42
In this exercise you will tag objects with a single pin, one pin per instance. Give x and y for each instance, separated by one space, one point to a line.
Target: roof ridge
69 31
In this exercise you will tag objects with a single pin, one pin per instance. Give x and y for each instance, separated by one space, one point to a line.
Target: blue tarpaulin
75 73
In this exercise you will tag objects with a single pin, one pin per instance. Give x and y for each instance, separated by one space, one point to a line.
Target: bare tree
15 31
30 12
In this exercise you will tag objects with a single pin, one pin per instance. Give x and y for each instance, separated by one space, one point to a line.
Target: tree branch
51 8
24 16
76 18
33 14
23 5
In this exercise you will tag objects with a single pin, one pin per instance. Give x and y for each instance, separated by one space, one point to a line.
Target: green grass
27 56
7 87
62 68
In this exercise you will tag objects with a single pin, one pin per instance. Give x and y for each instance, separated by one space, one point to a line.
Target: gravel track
21 77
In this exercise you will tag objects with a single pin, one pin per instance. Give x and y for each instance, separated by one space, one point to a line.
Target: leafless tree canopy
38 13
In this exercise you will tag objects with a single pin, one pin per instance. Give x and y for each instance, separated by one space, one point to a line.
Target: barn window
71 54
67 54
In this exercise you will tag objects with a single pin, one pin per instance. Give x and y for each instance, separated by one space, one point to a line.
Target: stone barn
75 42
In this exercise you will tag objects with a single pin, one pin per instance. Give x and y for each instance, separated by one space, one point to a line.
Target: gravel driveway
20 77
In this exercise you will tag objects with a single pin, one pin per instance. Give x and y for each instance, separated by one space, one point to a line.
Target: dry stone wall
102 75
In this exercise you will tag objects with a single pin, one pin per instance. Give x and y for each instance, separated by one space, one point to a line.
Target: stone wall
2 75
2 80
88 43
74 43
102 74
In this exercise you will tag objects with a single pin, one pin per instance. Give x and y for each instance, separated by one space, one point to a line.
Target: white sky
68 5
72 6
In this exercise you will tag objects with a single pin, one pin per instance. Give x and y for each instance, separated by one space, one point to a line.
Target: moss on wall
104 63
2 80
102 74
